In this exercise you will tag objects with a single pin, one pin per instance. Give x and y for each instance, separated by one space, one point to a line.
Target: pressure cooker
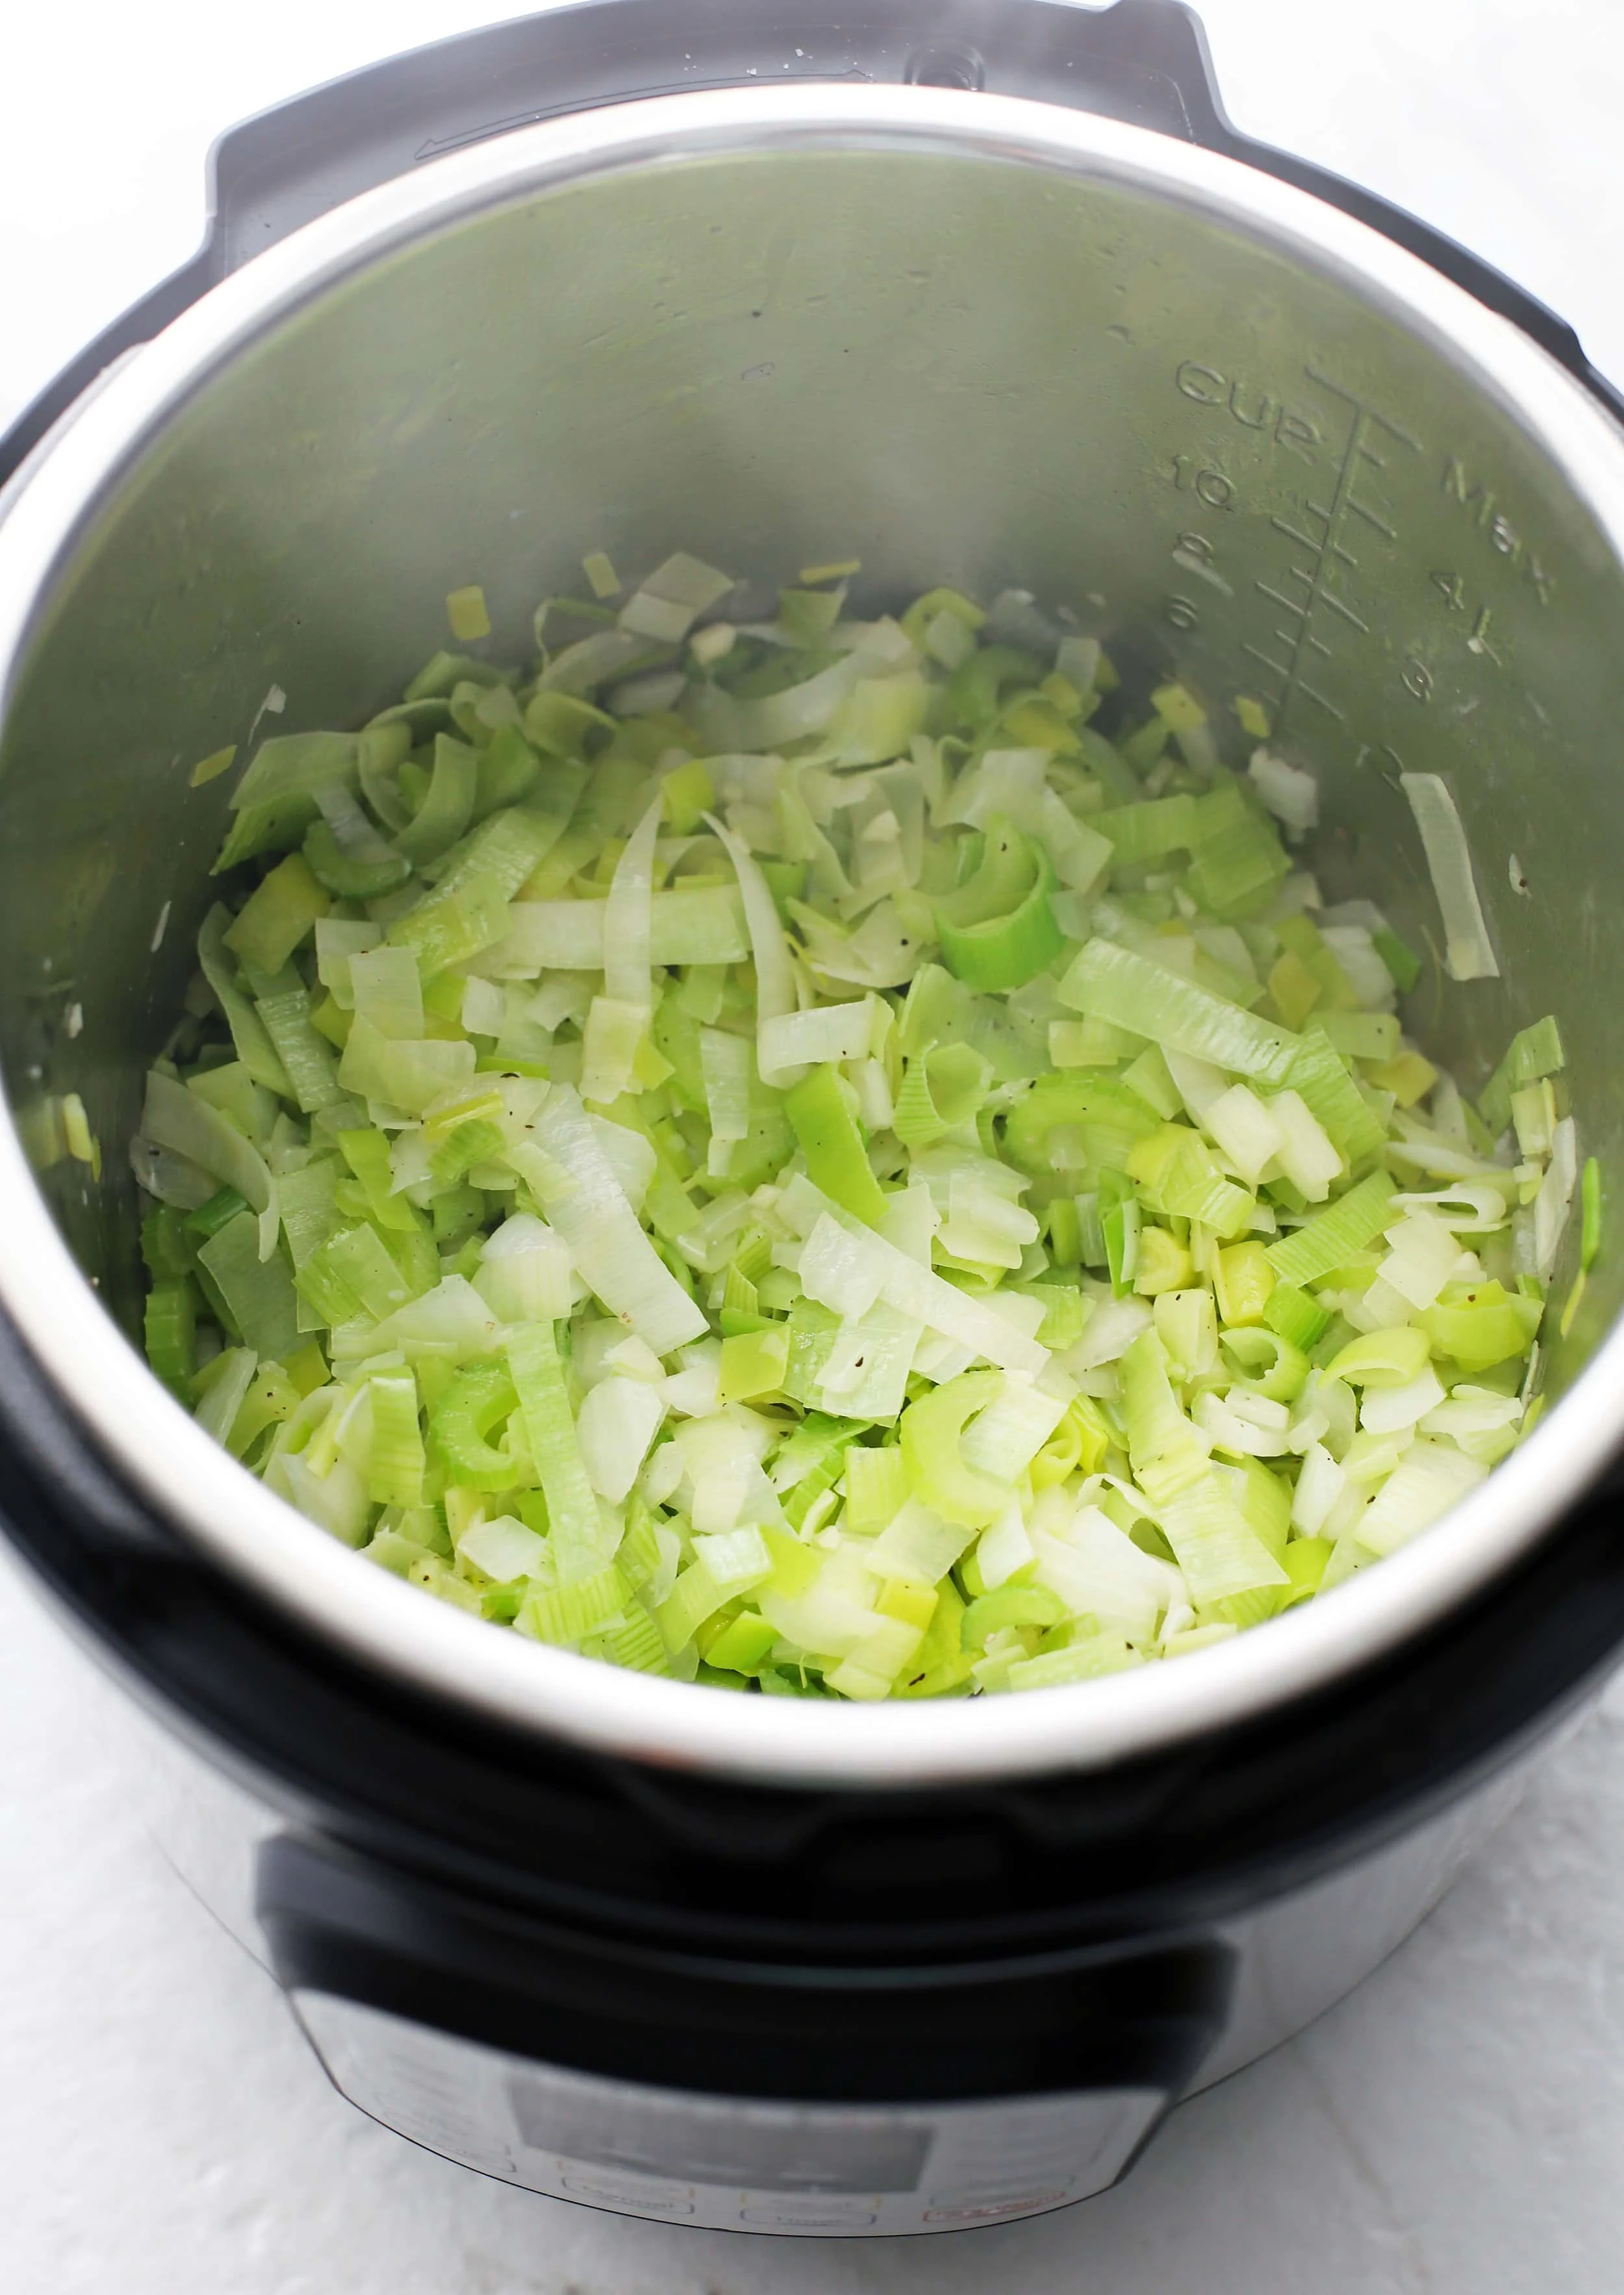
980 291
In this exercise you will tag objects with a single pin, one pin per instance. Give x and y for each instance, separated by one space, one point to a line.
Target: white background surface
1458 2129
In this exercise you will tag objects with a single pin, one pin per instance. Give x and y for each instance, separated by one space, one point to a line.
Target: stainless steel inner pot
970 339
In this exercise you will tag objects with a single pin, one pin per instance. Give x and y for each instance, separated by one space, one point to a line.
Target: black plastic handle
1141 61
1145 61
1098 2016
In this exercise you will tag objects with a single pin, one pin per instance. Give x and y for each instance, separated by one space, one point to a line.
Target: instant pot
986 292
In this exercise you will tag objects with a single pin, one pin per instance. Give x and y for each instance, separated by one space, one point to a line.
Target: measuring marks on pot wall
1319 561
1299 613
1337 563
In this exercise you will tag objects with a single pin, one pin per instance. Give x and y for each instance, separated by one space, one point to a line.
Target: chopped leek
835 1156
1468 951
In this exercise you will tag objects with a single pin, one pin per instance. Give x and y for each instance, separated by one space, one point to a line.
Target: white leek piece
1468 951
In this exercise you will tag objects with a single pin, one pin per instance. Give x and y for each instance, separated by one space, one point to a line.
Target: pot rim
235 1522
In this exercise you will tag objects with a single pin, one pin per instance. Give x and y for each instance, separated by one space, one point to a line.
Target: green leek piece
1401 959
443 673
1303 939
692 1601
942 1010
1010 1605
786 881
565 725
740 1309
367 1153
260 1292
1089 1110
511 844
942 1088
637 1645
395 1476
1120 1226
351 1274
1167 1453
1177 1175
280 913
941 1659
810 1463
282 1002
253 1045
1478 1324
1534 1053
975 691
1301 1321
1320 1077
1237 860
1149 1077
690 794
938 1475
925 609
478 1399
1066 1233
447 802
1116 984
1304 1562
566 1613
220 1390
458 1215
875 1487
170 1332
478 1141
1380 1359
1266 1504
276 801
1090 1230
404 1074
271 1399
347 875
1089 1658
753 1364
812 1331
745 1643
1332 1237
383 748
166 1242
827 1129
998 931
1150 829
577 1529
1361 1035
1590 1237
507 770
1163 1263
309 1215
221 1207
1065 1313
1271 1363
1243 1283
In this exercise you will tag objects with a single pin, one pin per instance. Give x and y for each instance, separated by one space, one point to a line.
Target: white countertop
1455 2128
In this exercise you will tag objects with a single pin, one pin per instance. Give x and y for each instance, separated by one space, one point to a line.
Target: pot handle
1143 62
481 2006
